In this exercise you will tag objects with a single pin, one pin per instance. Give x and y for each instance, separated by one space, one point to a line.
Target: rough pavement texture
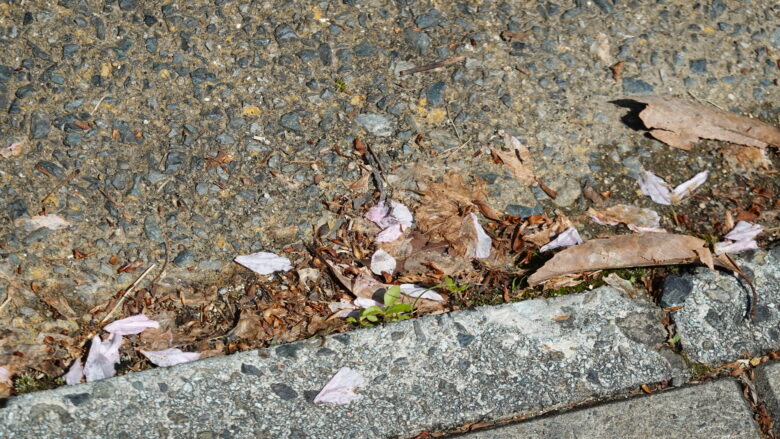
711 410
713 324
432 373
141 97
768 387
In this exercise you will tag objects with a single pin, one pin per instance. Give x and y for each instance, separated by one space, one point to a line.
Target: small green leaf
351 320
674 339
392 295
372 318
370 311
398 308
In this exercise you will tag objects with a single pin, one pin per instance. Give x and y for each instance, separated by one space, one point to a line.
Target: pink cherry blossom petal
264 263
734 247
170 357
131 325
103 355
401 215
362 302
5 376
654 187
75 373
382 262
685 189
567 238
419 292
341 388
744 231
484 243
378 214
389 234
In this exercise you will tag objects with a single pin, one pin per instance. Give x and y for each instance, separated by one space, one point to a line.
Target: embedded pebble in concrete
712 410
713 323
432 373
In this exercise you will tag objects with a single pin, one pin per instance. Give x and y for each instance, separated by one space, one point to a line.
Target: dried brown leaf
637 250
517 159
745 159
680 123
623 213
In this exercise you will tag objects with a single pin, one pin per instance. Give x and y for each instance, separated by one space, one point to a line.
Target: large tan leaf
637 250
681 124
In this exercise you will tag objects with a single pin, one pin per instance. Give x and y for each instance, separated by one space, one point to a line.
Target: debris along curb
433 373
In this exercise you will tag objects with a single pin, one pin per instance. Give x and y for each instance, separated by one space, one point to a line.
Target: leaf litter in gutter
625 251
681 123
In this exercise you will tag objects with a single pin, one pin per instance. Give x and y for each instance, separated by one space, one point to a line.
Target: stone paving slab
433 373
713 324
768 387
712 410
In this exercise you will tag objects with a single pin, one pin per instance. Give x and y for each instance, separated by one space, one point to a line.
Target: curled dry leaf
637 250
637 219
681 123
517 159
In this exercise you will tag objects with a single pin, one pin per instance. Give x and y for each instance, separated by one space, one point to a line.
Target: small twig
165 264
435 65
127 292
455 128
754 303
98 104
111 200
703 101
64 181
7 300
376 171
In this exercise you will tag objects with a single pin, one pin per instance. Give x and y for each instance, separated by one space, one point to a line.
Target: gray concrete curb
433 373
711 410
